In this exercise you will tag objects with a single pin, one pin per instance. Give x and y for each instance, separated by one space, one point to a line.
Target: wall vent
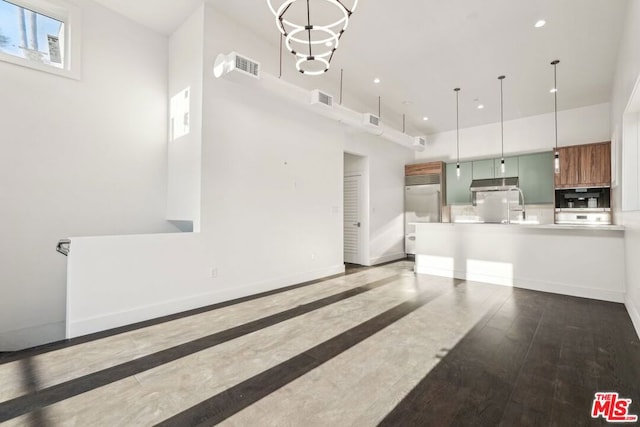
371 120
319 97
235 64
247 65
420 141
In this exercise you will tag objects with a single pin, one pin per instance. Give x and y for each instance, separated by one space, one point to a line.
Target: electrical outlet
213 273
313 256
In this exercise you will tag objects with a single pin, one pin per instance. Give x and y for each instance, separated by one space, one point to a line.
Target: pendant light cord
501 78
309 27
555 99
341 77
280 75
457 90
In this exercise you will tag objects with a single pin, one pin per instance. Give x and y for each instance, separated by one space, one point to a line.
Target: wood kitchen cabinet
584 166
423 168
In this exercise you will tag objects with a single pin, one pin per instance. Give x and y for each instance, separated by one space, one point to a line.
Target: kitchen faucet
521 194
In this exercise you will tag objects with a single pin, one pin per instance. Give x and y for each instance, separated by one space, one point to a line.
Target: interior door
352 218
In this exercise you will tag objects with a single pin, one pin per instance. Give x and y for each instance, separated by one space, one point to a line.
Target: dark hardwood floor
537 361
355 350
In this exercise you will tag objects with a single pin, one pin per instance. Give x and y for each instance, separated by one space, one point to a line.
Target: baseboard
525 283
30 337
80 327
634 314
571 290
387 258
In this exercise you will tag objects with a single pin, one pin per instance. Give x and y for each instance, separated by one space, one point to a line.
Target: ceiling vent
371 120
319 97
420 142
234 64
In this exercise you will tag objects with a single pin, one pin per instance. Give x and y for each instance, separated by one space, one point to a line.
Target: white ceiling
422 49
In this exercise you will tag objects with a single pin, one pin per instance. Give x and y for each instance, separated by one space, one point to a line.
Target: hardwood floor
377 346
537 361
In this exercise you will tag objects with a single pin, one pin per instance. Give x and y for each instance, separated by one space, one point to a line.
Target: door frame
363 172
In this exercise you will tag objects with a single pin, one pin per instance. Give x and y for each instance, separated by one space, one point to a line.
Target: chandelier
312 42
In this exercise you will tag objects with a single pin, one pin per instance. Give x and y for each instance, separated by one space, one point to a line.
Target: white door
352 218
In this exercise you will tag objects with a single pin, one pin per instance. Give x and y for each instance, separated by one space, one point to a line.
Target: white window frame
64 12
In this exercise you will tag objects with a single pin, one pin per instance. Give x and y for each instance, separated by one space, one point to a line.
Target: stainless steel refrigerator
422 203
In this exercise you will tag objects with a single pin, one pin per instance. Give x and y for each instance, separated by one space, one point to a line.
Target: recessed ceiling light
376 80
553 90
480 106
407 102
540 23
425 118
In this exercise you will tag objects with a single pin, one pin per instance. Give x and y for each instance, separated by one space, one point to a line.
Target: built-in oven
597 216
583 206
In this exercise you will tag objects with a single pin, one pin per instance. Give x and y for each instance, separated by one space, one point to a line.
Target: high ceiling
422 49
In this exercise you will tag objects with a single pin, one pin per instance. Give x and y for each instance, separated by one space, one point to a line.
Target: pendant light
556 157
313 42
457 90
502 167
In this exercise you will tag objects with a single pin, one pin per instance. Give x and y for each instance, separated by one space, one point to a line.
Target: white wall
246 141
271 211
526 135
81 157
627 73
586 263
354 164
184 163
386 195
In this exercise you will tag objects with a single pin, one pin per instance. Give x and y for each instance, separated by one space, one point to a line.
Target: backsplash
541 214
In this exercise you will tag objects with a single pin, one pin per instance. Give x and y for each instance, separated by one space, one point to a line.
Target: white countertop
532 225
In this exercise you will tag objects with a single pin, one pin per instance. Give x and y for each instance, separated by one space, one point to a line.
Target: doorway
355 209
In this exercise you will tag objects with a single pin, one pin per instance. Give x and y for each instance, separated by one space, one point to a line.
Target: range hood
494 184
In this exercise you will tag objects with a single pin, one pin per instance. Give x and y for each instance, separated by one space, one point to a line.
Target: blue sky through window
11 35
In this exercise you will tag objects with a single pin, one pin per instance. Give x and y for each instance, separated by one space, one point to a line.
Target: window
179 112
35 34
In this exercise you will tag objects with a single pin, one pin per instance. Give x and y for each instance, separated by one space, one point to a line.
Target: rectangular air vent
420 141
248 66
371 120
318 97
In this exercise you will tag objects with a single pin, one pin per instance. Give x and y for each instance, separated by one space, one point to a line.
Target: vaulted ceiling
421 49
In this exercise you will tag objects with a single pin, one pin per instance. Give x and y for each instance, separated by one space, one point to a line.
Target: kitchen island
583 261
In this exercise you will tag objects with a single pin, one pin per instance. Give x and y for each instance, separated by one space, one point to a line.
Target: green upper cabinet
483 169
535 172
536 177
490 168
458 188
510 167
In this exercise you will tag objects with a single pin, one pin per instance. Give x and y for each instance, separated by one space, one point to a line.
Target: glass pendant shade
556 157
502 167
457 91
